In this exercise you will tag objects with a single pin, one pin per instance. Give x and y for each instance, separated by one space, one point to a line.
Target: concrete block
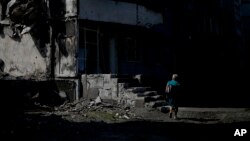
107 78
105 94
112 83
121 87
95 82
93 93
139 102
114 94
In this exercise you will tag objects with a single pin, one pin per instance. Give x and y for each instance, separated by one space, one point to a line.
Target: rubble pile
95 110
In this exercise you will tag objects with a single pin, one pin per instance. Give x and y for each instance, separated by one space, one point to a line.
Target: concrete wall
118 12
22 57
108 89
66 50
29 54
100 85
41 45
65 37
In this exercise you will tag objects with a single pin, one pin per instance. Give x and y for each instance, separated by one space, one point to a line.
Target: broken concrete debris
95 110
62 94
98 100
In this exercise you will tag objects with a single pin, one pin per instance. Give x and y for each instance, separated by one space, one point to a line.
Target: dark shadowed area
40 127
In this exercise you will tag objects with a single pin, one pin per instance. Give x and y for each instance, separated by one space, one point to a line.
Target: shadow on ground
40 127
15 124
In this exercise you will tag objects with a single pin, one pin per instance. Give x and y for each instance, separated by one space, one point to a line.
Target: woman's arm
168 88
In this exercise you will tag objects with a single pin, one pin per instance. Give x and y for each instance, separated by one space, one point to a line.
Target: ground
83 120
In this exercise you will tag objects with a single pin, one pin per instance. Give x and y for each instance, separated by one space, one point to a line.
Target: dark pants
172 102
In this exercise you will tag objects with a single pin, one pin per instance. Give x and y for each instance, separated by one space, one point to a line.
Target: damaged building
118 50
75 49
38 49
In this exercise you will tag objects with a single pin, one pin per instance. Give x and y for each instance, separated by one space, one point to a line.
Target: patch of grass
101 116
247 110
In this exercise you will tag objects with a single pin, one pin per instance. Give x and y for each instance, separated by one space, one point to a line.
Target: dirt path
108 122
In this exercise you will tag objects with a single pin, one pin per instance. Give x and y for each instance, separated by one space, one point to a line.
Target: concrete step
147 93
139 102
153 98
150 101
155 104
138 89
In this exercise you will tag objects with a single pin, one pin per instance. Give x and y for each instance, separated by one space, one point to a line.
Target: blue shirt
173 83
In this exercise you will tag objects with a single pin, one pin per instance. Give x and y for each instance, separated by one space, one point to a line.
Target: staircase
142 95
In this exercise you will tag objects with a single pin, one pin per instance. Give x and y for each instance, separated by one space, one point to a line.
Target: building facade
79 48
57 43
